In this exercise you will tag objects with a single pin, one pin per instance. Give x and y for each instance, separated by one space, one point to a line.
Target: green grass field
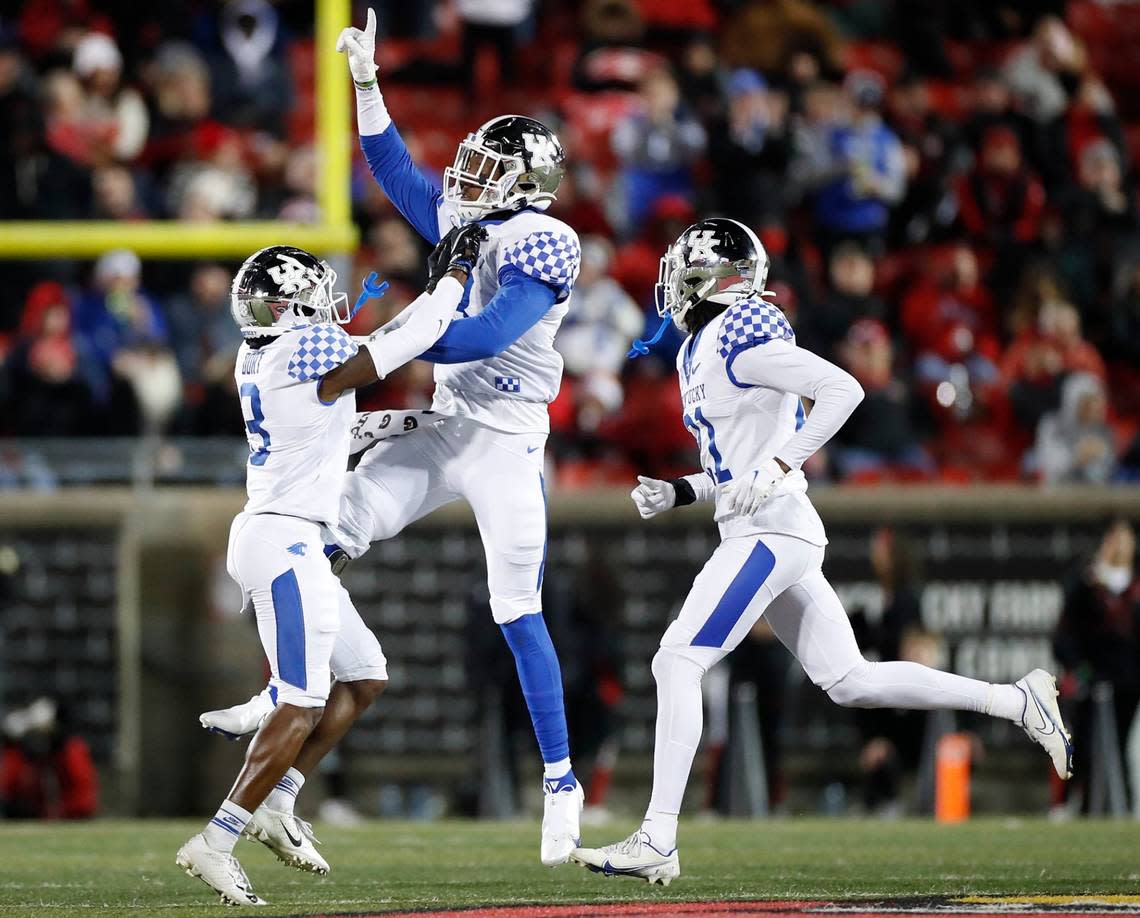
127 868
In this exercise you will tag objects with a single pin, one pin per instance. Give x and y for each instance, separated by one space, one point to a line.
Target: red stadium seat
882 57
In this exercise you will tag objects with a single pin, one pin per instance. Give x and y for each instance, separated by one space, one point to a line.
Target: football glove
360 46
746 493
653 496
457 251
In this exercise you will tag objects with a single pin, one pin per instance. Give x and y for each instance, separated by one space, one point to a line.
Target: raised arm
413 194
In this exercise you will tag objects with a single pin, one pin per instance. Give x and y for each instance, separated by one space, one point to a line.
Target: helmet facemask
501 181
681 286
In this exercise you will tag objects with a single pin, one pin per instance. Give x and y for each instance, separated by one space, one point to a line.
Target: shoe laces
237 874
307 830
631 847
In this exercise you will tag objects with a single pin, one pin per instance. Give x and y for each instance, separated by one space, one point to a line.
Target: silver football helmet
717 255
512 160
283 287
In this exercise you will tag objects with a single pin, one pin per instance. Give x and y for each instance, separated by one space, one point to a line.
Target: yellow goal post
335 234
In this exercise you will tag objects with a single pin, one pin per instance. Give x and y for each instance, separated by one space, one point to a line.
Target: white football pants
779 577
309 628
499 474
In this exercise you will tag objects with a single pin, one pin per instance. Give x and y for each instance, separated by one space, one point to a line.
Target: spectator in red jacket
46 378
1000 205
1001 201
940 312
1039 359
45 771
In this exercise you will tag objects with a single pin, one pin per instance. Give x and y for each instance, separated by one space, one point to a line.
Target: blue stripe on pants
290 630
745 585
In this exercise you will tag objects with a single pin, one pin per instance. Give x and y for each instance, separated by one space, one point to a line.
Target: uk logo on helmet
541 149
292 276
701 245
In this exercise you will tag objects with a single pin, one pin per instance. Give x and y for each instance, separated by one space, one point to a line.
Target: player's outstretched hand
746 493
360 46
653 496
457 251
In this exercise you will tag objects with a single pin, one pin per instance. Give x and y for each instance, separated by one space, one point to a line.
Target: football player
742 379
295 373
496 372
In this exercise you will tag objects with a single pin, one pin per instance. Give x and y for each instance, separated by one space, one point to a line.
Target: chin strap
641 347
370 291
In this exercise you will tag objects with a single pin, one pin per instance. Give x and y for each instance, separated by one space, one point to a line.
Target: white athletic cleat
634 857
290 838
1041 719
218 870
234 723
561 816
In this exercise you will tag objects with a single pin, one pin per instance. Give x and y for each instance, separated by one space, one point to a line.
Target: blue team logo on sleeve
550 257
751 322
320 349
508 383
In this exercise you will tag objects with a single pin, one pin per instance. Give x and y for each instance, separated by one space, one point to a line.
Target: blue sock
541 681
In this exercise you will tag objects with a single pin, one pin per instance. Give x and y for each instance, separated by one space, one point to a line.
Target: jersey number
702 426
253 423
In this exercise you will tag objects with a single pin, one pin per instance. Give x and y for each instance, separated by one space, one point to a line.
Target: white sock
554 770
661 829
680 718
285 791
1006 701
223 831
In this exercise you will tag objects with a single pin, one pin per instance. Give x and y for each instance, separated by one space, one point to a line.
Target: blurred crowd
945 190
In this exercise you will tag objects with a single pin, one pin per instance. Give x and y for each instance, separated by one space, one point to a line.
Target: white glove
746 493
360 46
653 496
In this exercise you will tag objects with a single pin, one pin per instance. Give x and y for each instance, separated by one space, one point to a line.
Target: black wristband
684 491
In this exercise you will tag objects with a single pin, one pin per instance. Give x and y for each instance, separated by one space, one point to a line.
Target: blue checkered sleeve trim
553 258
751 322
320 349
508 384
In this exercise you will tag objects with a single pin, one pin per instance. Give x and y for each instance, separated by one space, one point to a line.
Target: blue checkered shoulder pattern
751 322
548 256
318 350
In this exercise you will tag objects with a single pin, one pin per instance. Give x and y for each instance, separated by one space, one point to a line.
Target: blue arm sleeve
520 302
406 187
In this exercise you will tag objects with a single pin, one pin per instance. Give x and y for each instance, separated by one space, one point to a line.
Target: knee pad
506 609
851 690
673 662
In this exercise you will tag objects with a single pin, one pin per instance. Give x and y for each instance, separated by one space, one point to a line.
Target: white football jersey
737 425
511 390
298 445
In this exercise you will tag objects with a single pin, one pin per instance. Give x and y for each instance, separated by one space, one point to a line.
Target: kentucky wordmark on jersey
738 422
